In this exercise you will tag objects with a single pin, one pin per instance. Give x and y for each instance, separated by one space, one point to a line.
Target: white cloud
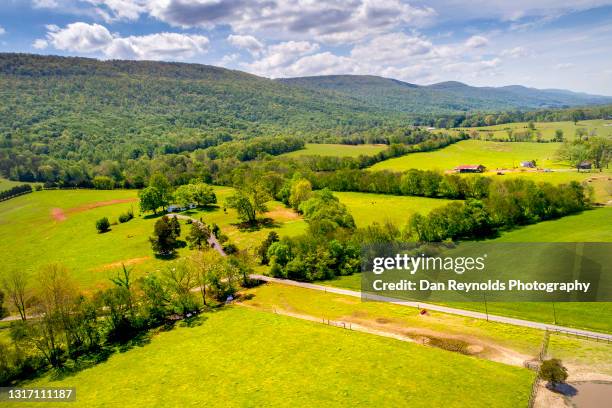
509 10
40 44
247 42
45 3
392 48
276 58
564 65
157 46
80 37
2 30
476 41
228 59
516 52
92 38
324 63
111 10
334 21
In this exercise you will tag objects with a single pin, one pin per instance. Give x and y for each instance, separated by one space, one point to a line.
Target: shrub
102 225
103 183
553 371
230 248
125 217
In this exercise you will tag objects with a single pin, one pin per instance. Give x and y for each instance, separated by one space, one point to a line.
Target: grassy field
241 357
581 315
369 208
395 318
492 155
578 354
340 150
589 226
5 184
58 226
547 128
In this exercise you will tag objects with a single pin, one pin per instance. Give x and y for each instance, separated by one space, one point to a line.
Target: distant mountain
443 97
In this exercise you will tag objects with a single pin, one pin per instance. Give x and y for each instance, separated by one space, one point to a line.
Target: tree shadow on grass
258 225
153 216
82 363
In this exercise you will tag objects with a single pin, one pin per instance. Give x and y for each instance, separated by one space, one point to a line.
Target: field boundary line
444 309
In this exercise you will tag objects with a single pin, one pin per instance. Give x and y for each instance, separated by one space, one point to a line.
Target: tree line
423 183
62 328
477 119
15 191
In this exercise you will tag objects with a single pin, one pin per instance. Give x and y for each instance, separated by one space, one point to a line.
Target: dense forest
444 97
539 115
67 120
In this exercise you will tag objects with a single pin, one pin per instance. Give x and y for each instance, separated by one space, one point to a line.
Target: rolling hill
58 110
443 97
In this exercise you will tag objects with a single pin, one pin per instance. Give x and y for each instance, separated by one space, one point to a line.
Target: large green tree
150 199
249 200
164 239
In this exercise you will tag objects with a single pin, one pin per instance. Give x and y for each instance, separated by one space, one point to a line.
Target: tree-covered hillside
78 108
444 97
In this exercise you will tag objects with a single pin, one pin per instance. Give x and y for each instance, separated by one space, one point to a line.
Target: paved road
212 241
444 309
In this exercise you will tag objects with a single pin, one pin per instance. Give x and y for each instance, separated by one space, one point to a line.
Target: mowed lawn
368 208
59 226
599 126
492 155
339 150
242 357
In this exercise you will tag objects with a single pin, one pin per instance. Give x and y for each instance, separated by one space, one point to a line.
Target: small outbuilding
470 168
528 164
585 165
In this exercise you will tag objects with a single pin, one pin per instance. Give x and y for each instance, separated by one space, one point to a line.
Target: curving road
212 240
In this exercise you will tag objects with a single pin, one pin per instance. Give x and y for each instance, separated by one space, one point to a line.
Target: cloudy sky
540 43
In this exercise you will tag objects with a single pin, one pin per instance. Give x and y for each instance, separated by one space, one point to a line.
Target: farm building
177 208
528 164
470 168
585 165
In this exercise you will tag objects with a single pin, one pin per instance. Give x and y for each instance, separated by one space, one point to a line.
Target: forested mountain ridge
62 116
79 108
444 97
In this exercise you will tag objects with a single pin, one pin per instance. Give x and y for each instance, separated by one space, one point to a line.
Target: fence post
536 381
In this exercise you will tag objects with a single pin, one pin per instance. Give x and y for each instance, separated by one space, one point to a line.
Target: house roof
469 167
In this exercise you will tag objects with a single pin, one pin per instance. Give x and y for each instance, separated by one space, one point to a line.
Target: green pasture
242 357
581 315
59 226
394 318
588 226
578 353
599 126
492 155
339 150
5 184
368 208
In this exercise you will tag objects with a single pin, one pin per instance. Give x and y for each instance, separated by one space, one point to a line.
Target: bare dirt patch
58 214
91 206
61 215
464 344
126 262
282 214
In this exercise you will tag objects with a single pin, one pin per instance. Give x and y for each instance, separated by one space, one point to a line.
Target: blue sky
538 43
